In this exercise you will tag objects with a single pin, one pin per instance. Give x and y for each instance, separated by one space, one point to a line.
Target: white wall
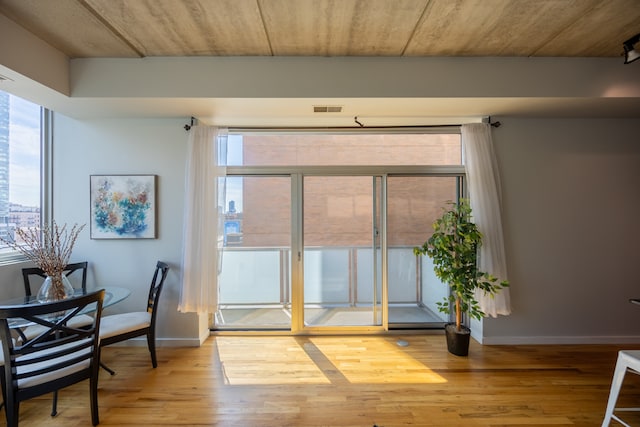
570 186
34 58
351 77
128 146
571 191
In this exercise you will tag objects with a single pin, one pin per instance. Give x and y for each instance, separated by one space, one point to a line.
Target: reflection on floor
278 317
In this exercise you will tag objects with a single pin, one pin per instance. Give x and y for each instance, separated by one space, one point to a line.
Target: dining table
112 295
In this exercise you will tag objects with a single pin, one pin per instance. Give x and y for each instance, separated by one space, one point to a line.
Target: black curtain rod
344 127
360 126
355 119
494 124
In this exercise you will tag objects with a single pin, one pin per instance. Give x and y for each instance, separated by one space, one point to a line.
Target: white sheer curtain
202 244
486 205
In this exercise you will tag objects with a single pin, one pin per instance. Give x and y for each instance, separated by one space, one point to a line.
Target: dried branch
50 249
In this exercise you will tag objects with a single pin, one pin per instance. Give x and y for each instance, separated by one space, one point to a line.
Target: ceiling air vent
327 108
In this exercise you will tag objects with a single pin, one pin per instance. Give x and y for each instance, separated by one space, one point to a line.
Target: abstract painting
123 206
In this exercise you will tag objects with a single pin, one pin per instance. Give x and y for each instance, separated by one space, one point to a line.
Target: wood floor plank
345 381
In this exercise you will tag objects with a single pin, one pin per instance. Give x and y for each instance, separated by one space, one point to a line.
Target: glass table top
112 295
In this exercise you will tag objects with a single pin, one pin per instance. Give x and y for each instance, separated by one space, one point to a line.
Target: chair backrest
69 269
57 357
157 283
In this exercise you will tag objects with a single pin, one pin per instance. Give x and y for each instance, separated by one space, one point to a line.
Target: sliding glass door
320 230
255 285
413 204
342 284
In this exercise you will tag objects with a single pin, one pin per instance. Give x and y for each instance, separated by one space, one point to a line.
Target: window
20 167
320 226
346 149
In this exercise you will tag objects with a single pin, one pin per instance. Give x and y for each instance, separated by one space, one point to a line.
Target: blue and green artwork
122 206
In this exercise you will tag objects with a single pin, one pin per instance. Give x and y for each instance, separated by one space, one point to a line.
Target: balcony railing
335 276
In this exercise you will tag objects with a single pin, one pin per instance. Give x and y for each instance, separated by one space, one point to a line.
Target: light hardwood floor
345 381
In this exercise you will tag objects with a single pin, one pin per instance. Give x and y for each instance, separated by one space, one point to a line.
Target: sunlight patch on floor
262 361
319 360
374 360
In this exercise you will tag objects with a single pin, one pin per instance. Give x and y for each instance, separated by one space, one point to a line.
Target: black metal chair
123 326
58 357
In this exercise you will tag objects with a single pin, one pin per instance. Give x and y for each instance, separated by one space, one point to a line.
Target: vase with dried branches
50 249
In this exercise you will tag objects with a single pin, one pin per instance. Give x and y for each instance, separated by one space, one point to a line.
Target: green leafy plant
453 247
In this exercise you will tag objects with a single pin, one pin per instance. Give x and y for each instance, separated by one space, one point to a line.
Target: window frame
296 172
10 256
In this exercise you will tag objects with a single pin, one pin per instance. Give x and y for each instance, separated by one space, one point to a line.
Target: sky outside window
24 152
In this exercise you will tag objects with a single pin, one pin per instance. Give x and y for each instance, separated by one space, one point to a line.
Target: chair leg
616 383
95 416
54 404
2 384
13 411
151 343
106 368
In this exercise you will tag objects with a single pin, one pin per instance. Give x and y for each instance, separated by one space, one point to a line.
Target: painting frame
122 206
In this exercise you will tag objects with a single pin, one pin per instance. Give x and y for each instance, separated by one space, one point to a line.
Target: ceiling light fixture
631 52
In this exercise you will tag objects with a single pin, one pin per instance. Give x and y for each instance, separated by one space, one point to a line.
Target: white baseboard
542 340
507 340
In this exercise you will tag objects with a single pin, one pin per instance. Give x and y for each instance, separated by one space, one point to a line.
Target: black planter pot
457 341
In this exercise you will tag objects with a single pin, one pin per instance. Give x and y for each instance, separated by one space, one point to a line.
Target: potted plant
453 247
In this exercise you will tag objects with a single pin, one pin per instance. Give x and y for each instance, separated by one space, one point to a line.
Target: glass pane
414 203
255 283
338 241
349 149
19 165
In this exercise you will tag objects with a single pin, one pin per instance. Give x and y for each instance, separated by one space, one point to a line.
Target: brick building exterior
337 209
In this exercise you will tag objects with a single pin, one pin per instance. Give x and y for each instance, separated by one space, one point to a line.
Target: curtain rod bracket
493 124
189 126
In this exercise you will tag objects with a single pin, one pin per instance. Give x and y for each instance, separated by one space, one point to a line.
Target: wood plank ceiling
143 28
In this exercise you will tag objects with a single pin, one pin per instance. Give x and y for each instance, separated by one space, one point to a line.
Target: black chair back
56 358
157 282
69 269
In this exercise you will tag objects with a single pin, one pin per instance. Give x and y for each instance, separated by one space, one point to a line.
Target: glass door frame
297 233
296 174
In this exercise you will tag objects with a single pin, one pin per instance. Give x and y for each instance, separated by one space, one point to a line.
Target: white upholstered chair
121 327
628 361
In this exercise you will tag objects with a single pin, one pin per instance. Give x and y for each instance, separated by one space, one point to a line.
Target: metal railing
335 275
